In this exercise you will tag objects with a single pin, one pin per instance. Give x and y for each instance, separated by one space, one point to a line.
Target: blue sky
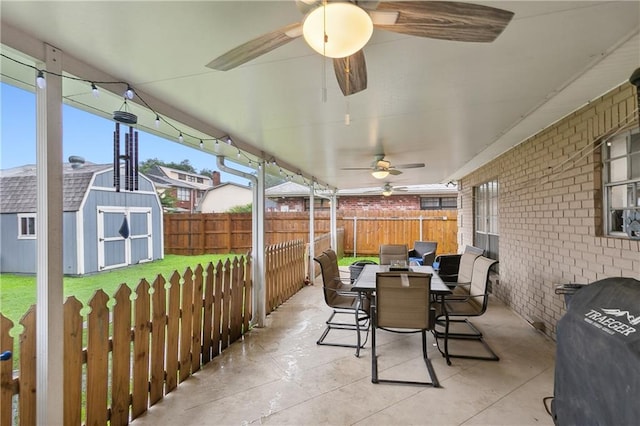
84 134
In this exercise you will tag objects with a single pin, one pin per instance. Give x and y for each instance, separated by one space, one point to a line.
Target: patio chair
403 305
464 302
392 252
448 265
338 296
423 252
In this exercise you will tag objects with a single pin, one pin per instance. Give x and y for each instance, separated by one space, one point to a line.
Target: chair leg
335 325
374 356
427 361
476 334
374 365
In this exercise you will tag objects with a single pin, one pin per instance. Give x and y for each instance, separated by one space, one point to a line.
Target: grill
597 373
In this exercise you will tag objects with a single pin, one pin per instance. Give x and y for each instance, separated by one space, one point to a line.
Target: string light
130 93
40 81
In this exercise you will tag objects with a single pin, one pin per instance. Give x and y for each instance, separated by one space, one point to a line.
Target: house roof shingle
18 187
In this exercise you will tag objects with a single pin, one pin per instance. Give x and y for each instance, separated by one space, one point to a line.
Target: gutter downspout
257 240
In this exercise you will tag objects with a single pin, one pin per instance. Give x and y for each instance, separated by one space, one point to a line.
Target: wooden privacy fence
123 357
363 231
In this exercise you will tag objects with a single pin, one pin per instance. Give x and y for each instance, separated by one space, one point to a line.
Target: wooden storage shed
103 229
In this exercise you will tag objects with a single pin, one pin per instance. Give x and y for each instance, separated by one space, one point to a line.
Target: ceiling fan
388 189
381 168
339 30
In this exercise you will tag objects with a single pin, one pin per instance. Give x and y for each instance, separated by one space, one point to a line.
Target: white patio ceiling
451 105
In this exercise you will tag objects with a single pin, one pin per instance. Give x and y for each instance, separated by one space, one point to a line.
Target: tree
206 172
168 200
185 165
241 209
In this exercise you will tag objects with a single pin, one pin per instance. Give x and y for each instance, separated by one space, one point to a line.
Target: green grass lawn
18 292
346 261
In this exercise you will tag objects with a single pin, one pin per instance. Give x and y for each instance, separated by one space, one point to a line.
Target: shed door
124 236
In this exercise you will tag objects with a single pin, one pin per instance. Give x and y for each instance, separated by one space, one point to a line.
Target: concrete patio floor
278 375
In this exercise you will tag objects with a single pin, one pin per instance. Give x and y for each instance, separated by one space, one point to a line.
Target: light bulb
337 30
181 138
157 121
238 153
229 141
216 148
94 90
380 173
201 144
129 93
40 81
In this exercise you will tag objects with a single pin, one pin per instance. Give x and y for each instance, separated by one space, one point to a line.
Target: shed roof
18 187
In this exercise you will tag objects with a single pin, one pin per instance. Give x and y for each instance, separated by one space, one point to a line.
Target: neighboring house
95 236
224 196
187 188
291 196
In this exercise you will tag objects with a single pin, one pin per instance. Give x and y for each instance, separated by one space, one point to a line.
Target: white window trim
22 236
606 184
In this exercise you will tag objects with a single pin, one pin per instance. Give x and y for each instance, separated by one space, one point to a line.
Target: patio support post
49 211
333 221
312 240
257 240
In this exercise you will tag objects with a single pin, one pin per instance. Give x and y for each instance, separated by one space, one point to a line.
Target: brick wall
379 202
550 218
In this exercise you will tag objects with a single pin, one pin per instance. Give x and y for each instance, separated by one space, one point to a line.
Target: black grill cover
597 373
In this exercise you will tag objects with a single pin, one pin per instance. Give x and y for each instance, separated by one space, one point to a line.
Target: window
438 203
182 176
200 180
621 176
182 194
486 218
26 226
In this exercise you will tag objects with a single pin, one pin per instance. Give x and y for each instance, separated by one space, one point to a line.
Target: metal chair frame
338 296
469 295
395 318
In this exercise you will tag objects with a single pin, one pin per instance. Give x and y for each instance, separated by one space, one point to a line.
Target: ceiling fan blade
394 172
409 166
351 73
355 168
446 20
256 47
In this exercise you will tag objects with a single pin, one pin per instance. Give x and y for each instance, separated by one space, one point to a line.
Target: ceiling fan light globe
380 174
386 193
347 26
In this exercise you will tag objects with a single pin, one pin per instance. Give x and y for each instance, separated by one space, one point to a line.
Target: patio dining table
365 286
